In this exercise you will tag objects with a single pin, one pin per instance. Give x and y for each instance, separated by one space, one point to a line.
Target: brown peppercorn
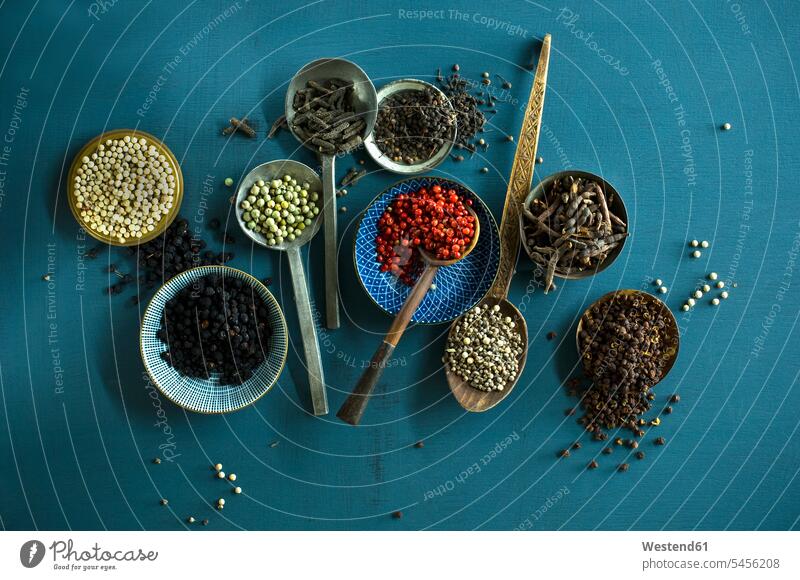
608 451
660 441
576 445
397 515
551 335
593 464
675 398
419 444
623 467
563 453
640 455
633 444
667 410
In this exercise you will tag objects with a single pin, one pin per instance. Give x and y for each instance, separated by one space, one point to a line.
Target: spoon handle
331 253
308 332
521 174
355 405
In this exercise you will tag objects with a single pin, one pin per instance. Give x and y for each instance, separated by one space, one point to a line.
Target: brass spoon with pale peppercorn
469 397
354 406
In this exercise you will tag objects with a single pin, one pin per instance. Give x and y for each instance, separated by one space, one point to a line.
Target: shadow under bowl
616 206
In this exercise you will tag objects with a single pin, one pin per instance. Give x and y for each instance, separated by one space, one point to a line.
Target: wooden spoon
354 406
519 185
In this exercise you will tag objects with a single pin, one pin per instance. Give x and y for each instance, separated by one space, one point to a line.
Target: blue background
79 426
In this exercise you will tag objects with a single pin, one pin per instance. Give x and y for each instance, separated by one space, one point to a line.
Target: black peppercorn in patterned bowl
209 395
439 153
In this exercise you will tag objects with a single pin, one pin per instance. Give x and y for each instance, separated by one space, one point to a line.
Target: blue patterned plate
458 287
201 395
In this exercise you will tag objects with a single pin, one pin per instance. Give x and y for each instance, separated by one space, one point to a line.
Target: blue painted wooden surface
636 92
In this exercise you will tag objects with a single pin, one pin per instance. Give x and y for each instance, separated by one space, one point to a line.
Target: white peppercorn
124 188
484 348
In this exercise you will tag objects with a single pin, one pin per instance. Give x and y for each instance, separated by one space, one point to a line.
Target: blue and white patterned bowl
458 287
208 395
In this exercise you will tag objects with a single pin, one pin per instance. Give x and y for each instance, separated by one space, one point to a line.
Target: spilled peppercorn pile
434 219
216 326
470 119
626 345
175 251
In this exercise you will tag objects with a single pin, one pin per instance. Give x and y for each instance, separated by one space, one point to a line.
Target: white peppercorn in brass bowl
172 163
208 396
402 86
616 205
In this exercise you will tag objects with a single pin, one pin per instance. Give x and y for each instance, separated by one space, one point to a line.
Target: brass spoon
354 406
519 185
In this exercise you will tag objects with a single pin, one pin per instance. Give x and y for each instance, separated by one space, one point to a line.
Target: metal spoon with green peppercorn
355 405
469 383
331 107
293 179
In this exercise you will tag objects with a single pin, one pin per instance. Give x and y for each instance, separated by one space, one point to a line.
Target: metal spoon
354 406
365 103
303 174
519 184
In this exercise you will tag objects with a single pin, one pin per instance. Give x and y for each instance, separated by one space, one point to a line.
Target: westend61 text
670 547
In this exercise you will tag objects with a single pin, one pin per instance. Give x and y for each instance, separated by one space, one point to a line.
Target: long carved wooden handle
521 175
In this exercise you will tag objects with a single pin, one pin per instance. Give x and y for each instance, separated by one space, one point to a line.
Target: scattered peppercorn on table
686 121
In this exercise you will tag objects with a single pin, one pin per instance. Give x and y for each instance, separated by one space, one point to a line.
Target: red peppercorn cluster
431 218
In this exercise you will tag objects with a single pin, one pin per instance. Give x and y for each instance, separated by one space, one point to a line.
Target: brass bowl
617 206
90 148
672 339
